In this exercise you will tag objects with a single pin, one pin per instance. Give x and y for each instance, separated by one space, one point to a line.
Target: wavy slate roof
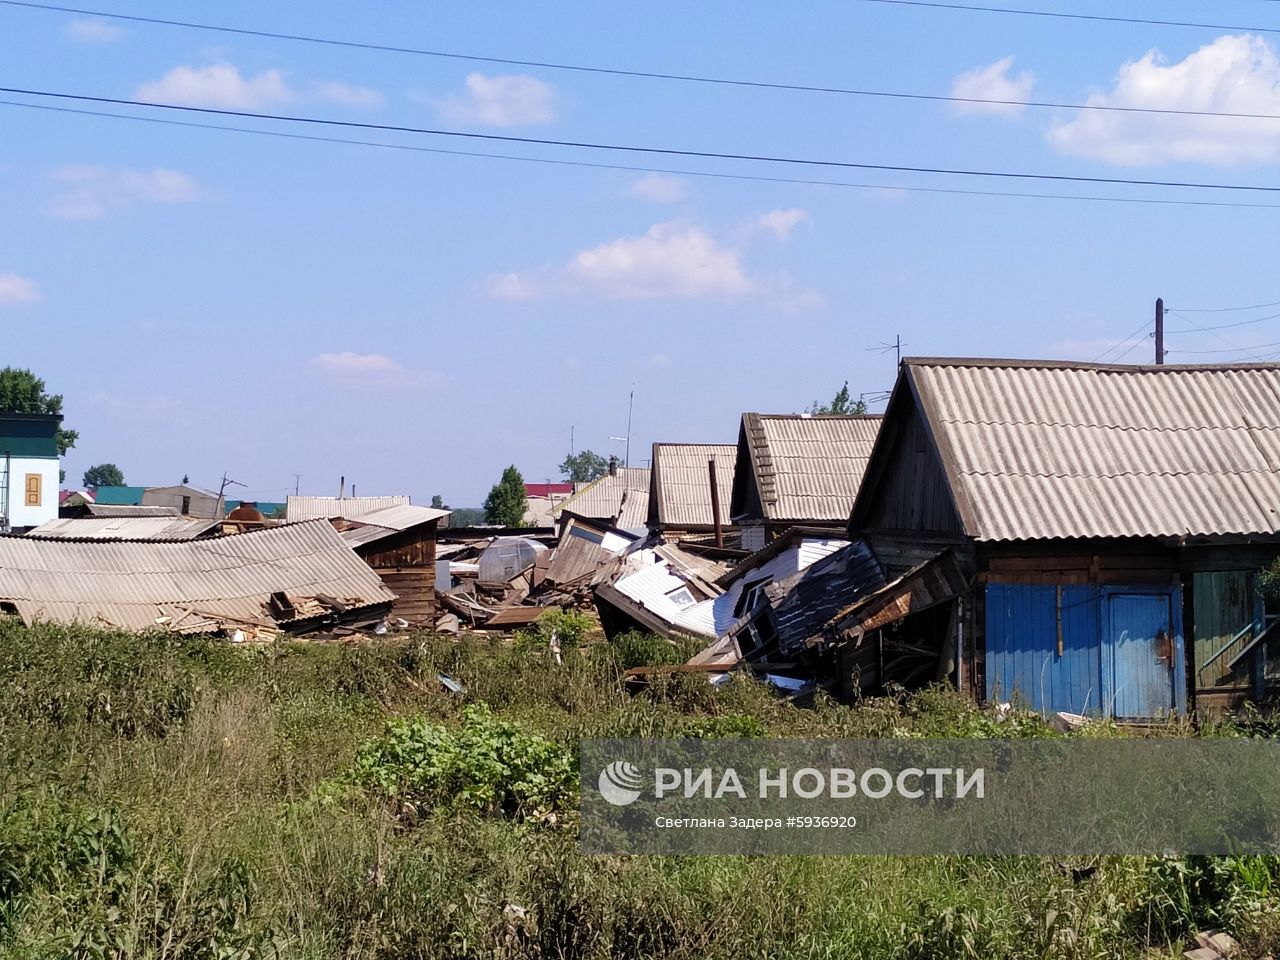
1037 450
680 485
128 585
804 467
150 527
623 499
326 508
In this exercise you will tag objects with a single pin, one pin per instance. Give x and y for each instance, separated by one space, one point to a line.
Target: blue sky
211 301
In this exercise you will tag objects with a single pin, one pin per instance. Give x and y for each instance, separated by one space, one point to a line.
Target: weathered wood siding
406 563
912 492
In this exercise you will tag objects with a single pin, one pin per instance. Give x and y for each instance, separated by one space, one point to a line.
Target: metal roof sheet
128 584
326 508
805 467
622 498
1055 450
680 490
389 521
149 527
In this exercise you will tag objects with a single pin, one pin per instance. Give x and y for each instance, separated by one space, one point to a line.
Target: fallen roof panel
151 527
130 584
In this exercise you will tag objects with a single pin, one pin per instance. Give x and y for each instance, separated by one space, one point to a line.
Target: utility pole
1159 330
223 489
297 483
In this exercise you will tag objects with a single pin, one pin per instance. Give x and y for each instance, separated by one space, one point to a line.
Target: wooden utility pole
715 504
1159 330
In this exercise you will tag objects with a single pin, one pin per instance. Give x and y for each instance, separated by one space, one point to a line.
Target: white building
29 470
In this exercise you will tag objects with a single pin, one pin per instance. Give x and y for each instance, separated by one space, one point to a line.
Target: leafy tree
21 391
840 404
104 475
584 467
437 503
465 516
506 502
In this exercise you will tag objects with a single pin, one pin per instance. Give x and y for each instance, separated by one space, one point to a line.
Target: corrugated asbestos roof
1056 450
622 499
130 510
129 585
805 467
326 508
680 494
390 521
154 528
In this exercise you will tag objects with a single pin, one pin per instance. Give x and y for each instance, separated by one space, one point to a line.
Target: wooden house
797 470
1110 523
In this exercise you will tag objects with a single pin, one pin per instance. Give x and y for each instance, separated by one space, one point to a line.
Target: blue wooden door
1141 634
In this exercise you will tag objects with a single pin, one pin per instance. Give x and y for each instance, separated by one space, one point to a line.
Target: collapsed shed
293 577
399 543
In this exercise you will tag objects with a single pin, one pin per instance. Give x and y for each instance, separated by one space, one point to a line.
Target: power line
1116 346
1238 323
1256 346
635 74
1214 333
1256 306
1072 16
955 191
629 148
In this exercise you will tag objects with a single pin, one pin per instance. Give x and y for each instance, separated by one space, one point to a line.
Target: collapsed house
797 470
660 589
399 543
293 578
1108 524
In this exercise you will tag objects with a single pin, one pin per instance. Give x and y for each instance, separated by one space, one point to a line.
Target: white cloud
1233 74
17 289
347 95
671 261
372 371
505 100
218 85
781 222
659 188
89 192
659 361
93 30
992 82
355 363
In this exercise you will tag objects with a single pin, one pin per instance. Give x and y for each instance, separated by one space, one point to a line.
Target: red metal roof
547 489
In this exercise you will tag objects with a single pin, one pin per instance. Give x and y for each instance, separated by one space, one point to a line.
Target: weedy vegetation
166 797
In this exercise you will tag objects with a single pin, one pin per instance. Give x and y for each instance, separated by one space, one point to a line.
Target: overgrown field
165 797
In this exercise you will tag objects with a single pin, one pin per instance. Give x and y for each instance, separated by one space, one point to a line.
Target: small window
33 490
681 597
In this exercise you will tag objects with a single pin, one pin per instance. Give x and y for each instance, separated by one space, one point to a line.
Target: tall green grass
168 797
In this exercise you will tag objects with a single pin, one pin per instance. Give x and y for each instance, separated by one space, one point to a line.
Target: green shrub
490 765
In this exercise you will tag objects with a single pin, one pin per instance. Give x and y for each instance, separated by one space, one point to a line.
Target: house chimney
613 466
342 487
